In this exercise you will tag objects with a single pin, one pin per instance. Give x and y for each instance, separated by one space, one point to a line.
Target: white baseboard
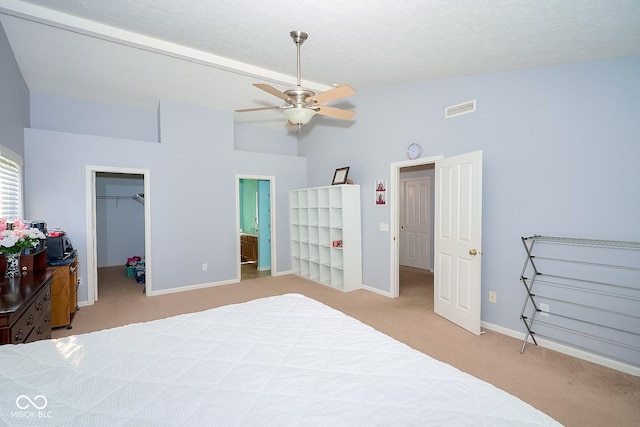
282 273
192 287
566 349
376 291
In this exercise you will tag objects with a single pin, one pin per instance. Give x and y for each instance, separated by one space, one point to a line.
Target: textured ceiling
205 52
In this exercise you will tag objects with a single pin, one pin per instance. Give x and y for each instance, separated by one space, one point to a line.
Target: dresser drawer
43 299
42 304
42 328
21 329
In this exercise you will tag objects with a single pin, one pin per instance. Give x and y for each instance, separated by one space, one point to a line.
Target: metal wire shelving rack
583 291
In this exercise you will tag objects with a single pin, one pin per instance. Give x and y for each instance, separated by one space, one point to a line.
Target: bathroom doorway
255 219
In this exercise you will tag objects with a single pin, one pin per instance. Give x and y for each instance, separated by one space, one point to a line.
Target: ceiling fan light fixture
301 104
299 115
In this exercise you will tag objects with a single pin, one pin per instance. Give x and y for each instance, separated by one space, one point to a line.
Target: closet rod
139 197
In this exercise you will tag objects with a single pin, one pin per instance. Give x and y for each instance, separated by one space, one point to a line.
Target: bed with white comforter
284 360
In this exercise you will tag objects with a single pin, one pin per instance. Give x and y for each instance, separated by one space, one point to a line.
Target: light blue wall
85 117
276 138
192 196
14 99
560 147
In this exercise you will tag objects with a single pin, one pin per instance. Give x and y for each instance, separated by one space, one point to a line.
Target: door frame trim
394 205
272 219
92 250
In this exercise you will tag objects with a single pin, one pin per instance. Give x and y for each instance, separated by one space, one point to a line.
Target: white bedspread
279 361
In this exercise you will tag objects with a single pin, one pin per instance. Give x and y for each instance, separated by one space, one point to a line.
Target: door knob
473 252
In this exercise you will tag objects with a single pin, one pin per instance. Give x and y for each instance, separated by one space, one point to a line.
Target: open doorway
416 223
118 231
402 177
255 216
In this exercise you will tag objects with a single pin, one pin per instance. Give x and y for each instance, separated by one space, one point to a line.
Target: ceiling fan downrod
299 114
298 38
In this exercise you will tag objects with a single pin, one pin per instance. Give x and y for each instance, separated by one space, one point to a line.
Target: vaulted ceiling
209 53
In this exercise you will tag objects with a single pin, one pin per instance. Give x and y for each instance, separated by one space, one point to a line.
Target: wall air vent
460 109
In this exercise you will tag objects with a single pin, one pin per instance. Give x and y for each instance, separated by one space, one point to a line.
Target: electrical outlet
544 310
79 281
204 266
493 297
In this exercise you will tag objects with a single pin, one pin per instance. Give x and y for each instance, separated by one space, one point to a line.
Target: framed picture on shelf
340 176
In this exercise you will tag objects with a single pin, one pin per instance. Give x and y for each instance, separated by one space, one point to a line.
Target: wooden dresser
25 302
64 294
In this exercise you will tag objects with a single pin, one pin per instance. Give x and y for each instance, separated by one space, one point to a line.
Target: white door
415 218
458 236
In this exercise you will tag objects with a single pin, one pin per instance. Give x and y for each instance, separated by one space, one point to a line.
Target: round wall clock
414 150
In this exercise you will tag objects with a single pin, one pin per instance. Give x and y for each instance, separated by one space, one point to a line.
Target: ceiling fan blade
331 94
256 109
338 113
273 91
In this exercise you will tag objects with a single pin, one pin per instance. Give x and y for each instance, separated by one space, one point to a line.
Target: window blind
10 184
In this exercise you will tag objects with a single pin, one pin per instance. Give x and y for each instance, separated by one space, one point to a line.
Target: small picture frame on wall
380 191
340 176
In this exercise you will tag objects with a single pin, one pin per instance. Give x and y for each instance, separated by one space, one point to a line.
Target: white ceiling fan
301 104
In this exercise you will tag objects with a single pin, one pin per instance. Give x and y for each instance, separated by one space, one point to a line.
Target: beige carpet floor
573 391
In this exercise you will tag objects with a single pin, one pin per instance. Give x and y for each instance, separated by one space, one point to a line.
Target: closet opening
118 243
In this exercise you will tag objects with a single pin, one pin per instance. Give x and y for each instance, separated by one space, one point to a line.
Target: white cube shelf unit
326 240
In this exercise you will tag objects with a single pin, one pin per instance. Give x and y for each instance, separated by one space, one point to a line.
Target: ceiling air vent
460 109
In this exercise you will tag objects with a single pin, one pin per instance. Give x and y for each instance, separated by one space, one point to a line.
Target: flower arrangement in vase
15 237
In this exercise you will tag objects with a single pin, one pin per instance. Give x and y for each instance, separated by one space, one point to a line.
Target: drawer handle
30 320
20 335
47 296
40 306
40 329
